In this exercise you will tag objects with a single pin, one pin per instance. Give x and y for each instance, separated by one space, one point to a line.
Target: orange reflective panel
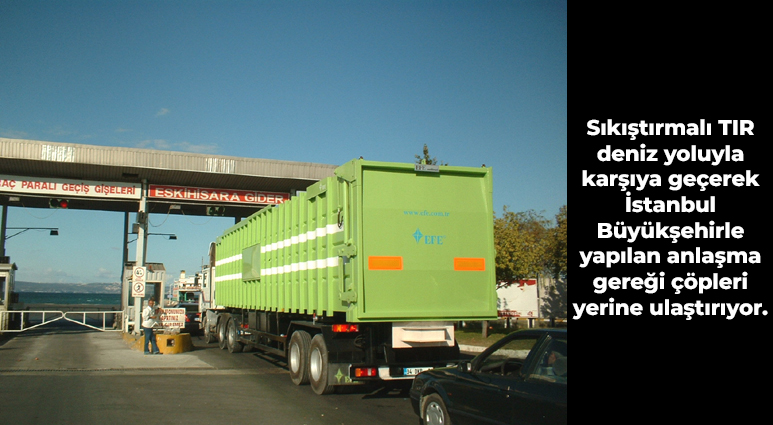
385 263
470 264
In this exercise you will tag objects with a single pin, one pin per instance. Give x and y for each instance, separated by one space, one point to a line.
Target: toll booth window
2 290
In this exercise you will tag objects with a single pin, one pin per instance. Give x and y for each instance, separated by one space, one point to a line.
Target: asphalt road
67 374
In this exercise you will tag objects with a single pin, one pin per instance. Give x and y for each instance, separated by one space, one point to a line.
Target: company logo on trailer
428 239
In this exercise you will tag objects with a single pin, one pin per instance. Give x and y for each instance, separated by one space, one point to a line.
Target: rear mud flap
338 374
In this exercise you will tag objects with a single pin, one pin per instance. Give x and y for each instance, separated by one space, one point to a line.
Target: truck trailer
362 277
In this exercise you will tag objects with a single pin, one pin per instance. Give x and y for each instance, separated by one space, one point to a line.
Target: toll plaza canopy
39 174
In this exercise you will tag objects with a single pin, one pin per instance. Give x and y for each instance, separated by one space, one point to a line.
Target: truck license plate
413 371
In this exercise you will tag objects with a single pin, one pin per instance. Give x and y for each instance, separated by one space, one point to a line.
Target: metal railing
31 319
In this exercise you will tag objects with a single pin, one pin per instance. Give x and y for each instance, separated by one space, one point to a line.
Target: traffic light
58 203
215 210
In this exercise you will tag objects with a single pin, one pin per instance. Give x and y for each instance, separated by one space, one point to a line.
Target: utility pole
142 239
3 223
124 258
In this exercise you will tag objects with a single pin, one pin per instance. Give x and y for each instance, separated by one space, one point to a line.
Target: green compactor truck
361 277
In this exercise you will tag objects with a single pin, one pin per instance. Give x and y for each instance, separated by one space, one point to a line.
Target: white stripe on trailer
330 229
230 259
301 266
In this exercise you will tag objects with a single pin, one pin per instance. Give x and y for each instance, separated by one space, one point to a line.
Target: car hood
441 373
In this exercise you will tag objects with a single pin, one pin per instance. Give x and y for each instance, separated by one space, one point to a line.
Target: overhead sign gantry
110 179
40 174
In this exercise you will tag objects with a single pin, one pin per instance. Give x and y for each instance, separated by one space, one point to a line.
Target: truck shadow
368 391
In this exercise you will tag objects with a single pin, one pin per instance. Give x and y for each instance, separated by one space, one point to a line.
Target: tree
521 241
528 245
555 300
425 158
558 247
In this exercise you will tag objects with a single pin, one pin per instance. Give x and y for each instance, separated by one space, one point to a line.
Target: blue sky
480 82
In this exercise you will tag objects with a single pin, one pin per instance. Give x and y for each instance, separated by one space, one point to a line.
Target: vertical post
142 238
3 225
540 281
5 284
124 259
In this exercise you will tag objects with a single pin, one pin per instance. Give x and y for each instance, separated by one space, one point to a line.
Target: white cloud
162 112
154 144
188 147
161 144
106 275
12 134
61 131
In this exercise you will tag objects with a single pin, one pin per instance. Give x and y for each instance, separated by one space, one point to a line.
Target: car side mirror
465 367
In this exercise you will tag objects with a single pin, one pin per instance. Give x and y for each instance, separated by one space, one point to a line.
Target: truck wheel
209 336
298 357
234 346
318 365
221 332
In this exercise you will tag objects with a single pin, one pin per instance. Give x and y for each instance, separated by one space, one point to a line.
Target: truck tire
209 335
234 346
318 366
298 357
221 332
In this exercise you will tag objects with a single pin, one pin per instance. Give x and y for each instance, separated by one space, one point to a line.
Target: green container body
381 242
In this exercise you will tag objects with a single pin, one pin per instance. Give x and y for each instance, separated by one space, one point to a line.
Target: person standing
150 315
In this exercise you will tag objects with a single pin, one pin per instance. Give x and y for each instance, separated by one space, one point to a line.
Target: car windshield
190 308
188 297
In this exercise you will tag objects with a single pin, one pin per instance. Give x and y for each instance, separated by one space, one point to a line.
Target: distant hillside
83 288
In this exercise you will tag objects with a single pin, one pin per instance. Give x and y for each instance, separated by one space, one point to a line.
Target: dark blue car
521 379
192 317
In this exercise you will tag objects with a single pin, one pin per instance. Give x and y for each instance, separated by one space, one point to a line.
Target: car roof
539 333
542 331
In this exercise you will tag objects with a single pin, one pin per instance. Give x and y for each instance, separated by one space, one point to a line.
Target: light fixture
170 236
54 231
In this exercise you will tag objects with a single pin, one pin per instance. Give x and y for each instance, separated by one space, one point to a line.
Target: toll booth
8 298
155 277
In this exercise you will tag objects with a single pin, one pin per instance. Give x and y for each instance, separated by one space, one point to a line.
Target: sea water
68 298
